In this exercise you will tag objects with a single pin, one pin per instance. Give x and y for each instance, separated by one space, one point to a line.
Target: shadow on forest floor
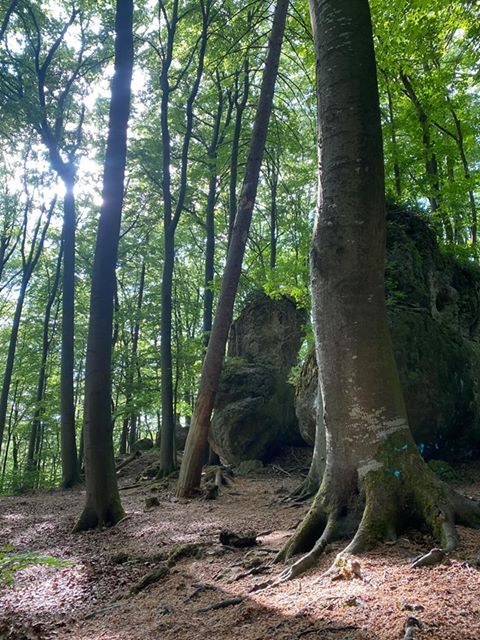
88 599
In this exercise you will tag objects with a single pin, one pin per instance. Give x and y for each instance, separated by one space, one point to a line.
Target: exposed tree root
411 625
229 602
150 578
433 557
306 534
309 560
304 491
92 518
166 473
391 501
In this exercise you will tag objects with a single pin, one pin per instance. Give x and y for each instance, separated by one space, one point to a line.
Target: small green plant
12 561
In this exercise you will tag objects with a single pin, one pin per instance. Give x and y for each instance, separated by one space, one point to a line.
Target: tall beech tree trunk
192 462
52 135
103 505
375 482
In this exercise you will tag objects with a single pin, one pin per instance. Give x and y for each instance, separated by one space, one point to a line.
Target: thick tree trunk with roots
103 505
375 482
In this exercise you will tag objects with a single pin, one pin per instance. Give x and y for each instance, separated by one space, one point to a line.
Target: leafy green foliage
435 45
12 561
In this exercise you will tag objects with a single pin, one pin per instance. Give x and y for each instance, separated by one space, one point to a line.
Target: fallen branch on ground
433 557
411 625
149 578
200 588
229 602
127 461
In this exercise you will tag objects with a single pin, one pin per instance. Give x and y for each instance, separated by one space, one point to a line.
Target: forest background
195 89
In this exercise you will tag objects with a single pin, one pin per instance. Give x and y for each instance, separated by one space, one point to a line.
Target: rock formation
254 412
434 314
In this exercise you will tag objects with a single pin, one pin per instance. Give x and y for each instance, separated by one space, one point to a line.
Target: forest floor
210 590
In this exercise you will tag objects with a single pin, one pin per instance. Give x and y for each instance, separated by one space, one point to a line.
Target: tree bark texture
103 505
375 482
191 469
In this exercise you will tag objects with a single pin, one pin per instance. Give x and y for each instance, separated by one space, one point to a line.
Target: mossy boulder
144 444
268 332
434 314
307 398
254 411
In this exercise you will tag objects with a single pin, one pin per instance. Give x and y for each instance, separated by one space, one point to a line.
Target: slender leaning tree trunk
103 505
191 469
212 155
240 103
375 481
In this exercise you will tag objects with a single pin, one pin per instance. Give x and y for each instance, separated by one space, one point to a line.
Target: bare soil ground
90 599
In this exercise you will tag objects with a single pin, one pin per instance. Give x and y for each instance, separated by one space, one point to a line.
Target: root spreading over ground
218 590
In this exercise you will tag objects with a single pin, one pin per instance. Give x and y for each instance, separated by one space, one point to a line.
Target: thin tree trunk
122 449
29 262
66 169
393 138
77 405
31 464
68 445
8 242
6 18
431 164
191 469
12 347
273 182
466 173
135 338
210 221
240 103
103 505
168 461
9 433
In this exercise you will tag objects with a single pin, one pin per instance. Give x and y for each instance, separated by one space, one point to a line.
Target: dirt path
90 599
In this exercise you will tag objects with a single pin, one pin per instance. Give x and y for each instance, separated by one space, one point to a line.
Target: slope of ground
90 598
